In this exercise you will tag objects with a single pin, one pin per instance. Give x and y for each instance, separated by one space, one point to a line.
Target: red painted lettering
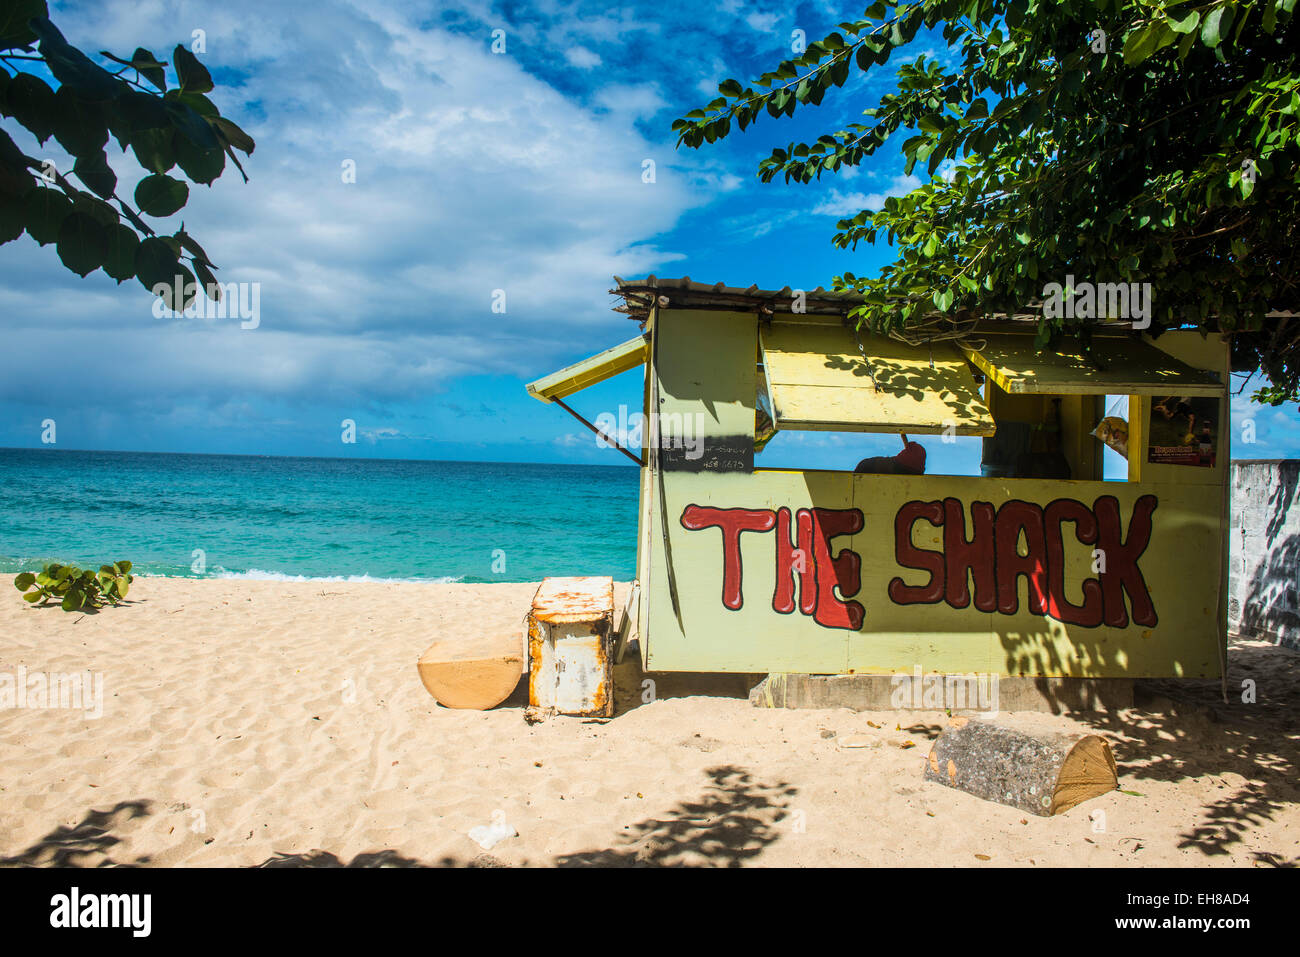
967 559
792 559
1122 573
1015 520
843 571
1085 529
732 521
909 556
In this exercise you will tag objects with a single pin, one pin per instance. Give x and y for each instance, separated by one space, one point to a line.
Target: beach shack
1034 567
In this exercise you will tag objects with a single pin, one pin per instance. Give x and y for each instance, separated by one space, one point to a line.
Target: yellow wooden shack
1018 571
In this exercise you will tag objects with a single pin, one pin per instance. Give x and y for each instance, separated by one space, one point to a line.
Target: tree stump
1043 772
476 672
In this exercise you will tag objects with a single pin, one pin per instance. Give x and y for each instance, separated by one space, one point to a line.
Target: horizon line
322 458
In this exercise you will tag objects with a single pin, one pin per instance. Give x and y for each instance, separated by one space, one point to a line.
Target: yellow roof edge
589 371
989 369
1034 385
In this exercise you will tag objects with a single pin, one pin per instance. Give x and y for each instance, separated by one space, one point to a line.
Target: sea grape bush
76 588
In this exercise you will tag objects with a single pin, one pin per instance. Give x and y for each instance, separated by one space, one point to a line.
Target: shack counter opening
1019 571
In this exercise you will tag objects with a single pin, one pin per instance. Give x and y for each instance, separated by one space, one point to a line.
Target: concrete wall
1264 551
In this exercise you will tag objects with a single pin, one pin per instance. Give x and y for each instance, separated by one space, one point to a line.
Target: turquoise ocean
264 517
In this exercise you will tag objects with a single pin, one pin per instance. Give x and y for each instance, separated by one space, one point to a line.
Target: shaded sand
265 723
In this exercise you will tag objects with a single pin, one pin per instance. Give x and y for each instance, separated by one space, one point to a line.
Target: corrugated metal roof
639 295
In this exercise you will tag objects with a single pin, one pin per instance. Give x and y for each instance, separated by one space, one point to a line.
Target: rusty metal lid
561 600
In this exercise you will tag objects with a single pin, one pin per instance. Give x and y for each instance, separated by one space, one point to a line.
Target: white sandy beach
250 723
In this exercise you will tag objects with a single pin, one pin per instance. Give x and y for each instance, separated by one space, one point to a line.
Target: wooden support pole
612 441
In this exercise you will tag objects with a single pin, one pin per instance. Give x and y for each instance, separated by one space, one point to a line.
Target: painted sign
828 572
991 557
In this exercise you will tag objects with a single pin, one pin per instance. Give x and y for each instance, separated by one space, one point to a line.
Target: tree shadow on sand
85 844
1250 752
733 822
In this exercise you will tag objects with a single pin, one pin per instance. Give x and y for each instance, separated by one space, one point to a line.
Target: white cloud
472 175
637 101
843 205
582 58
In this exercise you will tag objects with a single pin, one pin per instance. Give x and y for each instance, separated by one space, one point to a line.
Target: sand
267 723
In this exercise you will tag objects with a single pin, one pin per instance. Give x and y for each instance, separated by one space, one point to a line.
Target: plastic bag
1113 429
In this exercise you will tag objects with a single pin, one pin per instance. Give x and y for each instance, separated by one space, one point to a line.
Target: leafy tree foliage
165 127
1111 140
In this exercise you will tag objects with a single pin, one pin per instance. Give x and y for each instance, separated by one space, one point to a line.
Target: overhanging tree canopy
164 127
1111 141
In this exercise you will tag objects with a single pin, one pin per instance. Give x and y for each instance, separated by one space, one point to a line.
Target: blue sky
475 171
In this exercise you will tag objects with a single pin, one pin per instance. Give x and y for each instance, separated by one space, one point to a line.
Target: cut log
1041 771
473 672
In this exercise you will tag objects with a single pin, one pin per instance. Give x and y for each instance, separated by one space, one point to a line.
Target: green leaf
16 179
82 243
155 262
80 125
211 288
1216 25
94 171
149 67
74 70
1187 24
141 111
14 29
153 149
1144 41
30 101
200 165
199 104
234 136
161 195
43 212
191 124
120 260
24 581
193 75
190 244
34 596
157 266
